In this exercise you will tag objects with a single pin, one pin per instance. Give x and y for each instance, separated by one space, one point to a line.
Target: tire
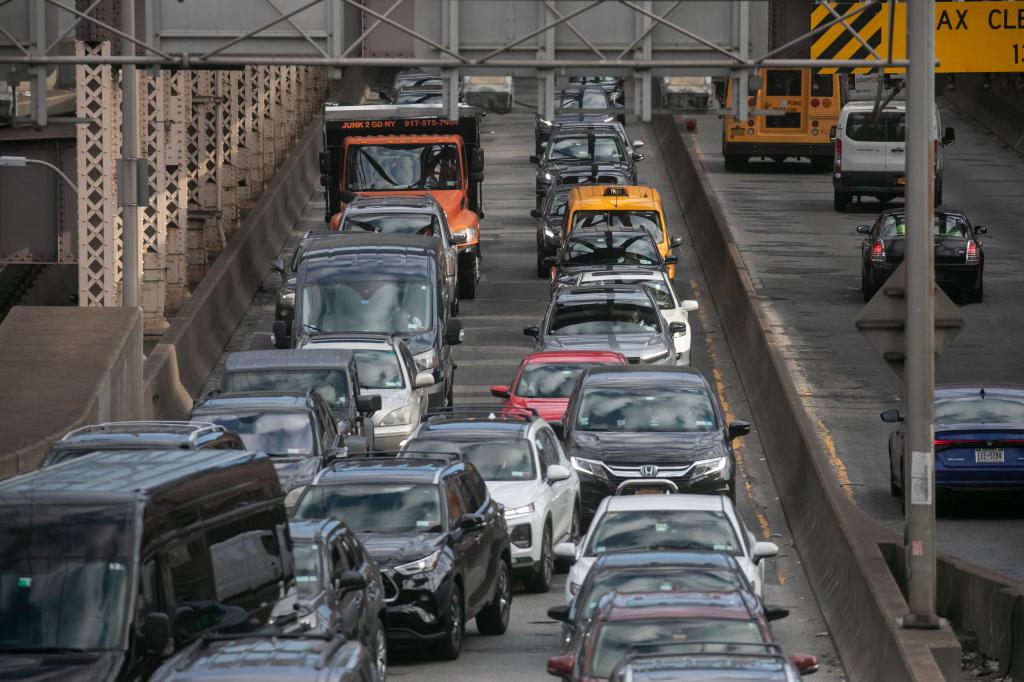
543 271
840 201
450 646
468 285
563 564
735 162
894 487
540 580
865 285
380 651
493 618
976 294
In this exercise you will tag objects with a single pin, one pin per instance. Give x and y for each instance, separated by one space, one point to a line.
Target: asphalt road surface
510 298
804 259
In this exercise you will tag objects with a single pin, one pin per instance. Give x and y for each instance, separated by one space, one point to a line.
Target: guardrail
839 543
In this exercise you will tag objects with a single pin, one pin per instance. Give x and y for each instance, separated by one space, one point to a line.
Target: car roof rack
198 428
497 413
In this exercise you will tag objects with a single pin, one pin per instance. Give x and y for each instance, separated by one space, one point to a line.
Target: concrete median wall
839 543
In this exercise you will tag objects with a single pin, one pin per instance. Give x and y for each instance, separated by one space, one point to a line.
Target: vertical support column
646 53
919 461
97 141
743 78
227 183
152 145
177 117
546 77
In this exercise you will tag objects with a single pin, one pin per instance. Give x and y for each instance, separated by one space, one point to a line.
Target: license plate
648 491
901 180
987 455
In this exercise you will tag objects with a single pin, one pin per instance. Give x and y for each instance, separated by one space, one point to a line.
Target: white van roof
870 106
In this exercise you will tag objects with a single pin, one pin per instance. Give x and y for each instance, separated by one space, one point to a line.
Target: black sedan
580 146
959 258
622 318
587 250
576 103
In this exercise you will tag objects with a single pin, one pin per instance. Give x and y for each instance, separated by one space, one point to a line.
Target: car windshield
659 288
379 369
682 579
649 221
594 99
974 409
496 460
556 209
389 306
425 224
888 126
275 433
573 318
375 507
614 249
308 575
617 637
944 227
664 409
549 379
663 529
331 384
606 149
377 167
64 576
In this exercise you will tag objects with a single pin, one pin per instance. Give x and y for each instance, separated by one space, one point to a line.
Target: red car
545 380
659 622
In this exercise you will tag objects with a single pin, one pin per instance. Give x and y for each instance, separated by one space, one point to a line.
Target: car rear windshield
379 369
375 507
659 288
425 224
389 306
973 409
573 318
646 408
617 249
944 226
331 384
662 529
606 149
682 579
549 379
496 460
612 220
617 637
275 433
888 126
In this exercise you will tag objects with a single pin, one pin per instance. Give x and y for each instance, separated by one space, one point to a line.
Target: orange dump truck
410 149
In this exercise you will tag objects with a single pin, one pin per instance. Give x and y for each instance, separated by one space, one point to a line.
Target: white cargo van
870 153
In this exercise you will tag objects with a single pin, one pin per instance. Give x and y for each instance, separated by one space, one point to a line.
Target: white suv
525 469
669 522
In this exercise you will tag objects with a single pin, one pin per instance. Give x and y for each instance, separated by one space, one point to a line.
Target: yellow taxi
619 207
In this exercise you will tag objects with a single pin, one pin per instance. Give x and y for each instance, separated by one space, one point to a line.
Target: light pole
21 162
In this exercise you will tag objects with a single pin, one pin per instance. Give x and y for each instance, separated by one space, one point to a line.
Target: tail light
814 124
750 101
750 123
878 252
827 102
972 252
815 101
839 156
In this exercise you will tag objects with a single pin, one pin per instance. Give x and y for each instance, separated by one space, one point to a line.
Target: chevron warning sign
970 37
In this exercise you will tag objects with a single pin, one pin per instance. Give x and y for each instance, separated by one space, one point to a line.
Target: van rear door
864 147
895 127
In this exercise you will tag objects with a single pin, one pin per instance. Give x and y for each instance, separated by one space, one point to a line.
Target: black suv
578 146
438 537
297 430
141 435
338 588
627 423
577 103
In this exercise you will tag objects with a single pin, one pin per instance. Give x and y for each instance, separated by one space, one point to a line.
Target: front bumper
526 533
414 609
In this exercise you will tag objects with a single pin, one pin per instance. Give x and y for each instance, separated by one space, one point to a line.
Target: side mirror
980 229
454 333
561 666
832 134
559 428
477 160
948 137
566 550
863 229
764 550
559 613
424 380
368 404
738 428
350 580
534 158
775 612
280 329
675 243
277 265
535 213
501 392
550 261
677 329
533 330
155 632
689 305
637 156
891 416
325 163
671 260
636 144
557 472
805 664
476 176
459 237
470 522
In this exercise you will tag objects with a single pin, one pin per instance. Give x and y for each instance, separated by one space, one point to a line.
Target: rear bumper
949 277
870 182
778 149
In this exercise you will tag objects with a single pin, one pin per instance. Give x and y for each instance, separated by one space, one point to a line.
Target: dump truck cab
414 150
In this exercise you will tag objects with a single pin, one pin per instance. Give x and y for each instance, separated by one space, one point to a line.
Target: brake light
814 124
815 102
750 101
972 252
878 252
839 156
750 123
827 102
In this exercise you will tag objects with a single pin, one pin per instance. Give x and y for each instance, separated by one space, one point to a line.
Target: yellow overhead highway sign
969 36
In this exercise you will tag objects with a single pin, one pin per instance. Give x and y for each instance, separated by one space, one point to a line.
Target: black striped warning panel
836 42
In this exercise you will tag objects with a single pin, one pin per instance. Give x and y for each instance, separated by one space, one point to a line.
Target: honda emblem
648 471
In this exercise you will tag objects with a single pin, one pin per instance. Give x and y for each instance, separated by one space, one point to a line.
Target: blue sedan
979 440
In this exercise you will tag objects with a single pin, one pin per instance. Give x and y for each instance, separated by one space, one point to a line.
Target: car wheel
493 618
542 270
449 399
563 564
894 487
840 201
540 580
868 287
468 284
380 651
450 646
976 294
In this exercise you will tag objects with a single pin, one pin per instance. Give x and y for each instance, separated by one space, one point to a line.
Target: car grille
645 471
390 588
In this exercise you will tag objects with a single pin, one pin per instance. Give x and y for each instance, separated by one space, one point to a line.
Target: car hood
419 342
71 667
394 549
630 345
513 494
648 448
390 399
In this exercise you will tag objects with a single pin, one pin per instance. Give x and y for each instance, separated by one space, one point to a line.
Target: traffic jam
332 505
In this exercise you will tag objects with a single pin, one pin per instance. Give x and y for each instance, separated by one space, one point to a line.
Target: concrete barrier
839 544
61 368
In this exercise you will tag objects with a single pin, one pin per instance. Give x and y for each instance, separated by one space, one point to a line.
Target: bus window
821 85
783 83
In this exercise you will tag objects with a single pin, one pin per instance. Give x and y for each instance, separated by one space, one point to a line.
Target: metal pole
743 77
919 457
129 167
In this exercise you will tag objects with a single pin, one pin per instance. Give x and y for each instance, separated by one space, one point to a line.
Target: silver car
386 367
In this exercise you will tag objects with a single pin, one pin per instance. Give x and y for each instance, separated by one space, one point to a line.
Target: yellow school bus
790 114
